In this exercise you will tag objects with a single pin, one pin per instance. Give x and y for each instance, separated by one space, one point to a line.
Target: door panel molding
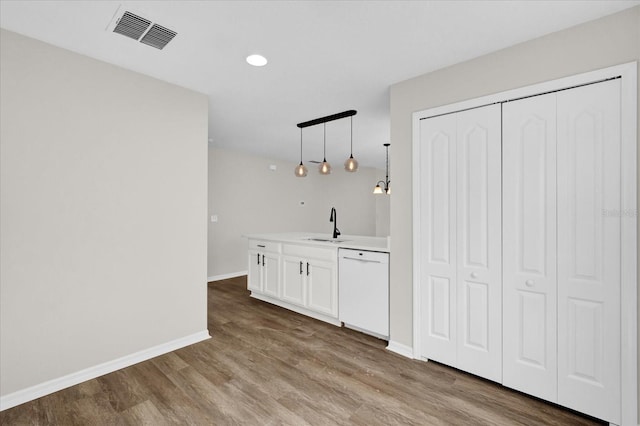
529 246
589 246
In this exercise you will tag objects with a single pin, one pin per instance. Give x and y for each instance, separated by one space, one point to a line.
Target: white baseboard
400 349
226 276
51 386
362 330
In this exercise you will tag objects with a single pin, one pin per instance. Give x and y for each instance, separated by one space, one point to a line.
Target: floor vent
143 30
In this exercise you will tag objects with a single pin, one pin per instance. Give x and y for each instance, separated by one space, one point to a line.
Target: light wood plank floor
266 366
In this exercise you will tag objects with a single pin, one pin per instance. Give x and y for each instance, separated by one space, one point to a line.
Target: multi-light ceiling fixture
385 188
350 165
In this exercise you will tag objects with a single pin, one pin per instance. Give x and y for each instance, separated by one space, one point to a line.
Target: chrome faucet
334 218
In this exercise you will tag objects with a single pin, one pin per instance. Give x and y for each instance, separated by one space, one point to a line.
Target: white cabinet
322 287
461 295
293 280
254 278
298 277
310 278
264 267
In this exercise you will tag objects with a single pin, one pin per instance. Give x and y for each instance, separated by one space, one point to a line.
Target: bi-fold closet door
561 247
461 294
520 245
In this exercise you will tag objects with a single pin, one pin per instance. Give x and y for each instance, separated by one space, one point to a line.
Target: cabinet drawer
269 246
329 254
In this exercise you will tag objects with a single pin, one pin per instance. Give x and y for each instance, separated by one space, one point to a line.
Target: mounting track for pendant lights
350 165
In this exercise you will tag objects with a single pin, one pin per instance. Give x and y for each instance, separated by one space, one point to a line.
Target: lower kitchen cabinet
264 268
307 279
322 287
293 280
310 283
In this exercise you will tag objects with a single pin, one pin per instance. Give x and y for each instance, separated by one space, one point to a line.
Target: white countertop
358 242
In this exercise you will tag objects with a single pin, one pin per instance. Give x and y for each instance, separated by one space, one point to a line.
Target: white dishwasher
363 291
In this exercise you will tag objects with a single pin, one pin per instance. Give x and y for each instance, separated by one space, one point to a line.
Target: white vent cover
132 26
141 29
158 36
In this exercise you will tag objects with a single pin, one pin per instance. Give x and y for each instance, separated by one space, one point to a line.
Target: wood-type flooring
265 365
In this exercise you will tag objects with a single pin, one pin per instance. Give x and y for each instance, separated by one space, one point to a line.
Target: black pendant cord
387 181
351 118
300 145
324 142
387 168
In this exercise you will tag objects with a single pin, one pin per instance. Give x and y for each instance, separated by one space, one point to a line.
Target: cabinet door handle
301 267
263 260
260 245
529 283
307 268
474 275
258 255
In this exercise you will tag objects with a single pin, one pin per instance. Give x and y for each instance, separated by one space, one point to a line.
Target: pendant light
385 188
351 164
301 169
324 168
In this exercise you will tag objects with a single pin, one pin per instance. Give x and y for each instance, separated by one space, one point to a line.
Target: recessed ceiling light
257 60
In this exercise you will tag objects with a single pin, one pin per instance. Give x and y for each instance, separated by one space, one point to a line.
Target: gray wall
103 212
598 44
248 198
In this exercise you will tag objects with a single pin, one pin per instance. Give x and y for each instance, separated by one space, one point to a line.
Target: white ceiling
324 57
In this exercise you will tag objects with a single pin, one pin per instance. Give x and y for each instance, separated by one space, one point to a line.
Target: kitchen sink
326 240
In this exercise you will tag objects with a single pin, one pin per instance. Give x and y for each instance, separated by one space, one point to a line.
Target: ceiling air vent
131 25
158 36
141 29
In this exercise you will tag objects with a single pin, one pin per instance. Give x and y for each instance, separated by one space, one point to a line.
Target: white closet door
589 249
529 246
437 239
479 286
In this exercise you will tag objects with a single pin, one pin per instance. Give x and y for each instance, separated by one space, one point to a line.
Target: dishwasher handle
361 260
